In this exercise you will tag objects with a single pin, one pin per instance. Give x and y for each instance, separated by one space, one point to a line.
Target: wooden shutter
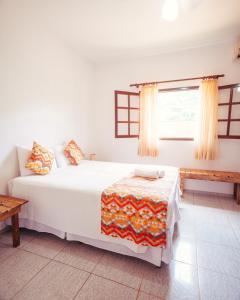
229 112
126 114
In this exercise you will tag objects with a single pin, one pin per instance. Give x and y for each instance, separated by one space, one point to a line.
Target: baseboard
209 193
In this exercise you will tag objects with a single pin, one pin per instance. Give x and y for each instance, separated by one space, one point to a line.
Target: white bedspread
68 201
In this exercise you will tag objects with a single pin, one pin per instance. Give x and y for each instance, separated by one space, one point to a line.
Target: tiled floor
206 262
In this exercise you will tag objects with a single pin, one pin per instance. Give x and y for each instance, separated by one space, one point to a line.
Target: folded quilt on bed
136 209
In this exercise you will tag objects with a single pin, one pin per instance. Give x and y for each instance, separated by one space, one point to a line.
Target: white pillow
61 159
23 156
54 165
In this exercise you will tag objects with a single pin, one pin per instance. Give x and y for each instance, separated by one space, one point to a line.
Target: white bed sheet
67 203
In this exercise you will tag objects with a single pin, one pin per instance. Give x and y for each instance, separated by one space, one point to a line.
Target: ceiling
104 30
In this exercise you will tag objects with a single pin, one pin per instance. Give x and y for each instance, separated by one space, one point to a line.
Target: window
178 110
178 113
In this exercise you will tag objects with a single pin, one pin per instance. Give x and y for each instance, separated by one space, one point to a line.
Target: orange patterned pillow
40 161
73 153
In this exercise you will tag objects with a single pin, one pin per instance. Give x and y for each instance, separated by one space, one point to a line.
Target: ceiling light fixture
170 10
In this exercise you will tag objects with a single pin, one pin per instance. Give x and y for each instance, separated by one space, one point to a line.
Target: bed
67 203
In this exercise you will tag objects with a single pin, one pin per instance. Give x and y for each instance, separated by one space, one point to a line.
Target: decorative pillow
73 153
41 160
23 156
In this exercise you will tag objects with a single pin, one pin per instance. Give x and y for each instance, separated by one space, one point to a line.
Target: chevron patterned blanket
136 209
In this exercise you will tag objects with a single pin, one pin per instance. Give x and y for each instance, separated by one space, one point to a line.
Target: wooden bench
223 176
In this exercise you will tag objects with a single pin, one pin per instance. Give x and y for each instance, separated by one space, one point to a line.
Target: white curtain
207 131
148 135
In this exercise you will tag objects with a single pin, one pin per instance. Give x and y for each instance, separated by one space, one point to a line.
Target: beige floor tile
204 195
175 281
6 251
80 256
103 289
211 216
17 270
46 245
55 282
236 230
187 198
186 205
185 250
225 260
185 229
208 201
234 218
221 235
187 214
215 286
229 204
187 194
120 268
25 236
144 296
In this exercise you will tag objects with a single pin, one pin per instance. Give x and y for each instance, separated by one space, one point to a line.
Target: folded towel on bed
149 173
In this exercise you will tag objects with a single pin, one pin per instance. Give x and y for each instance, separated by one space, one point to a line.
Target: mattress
67 202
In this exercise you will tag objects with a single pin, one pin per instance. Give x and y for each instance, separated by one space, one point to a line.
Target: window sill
176 139
162 139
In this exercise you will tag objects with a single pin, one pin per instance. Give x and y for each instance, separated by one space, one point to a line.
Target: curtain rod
176 80
195 87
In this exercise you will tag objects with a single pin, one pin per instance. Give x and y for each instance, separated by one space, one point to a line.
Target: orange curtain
206 135
148 135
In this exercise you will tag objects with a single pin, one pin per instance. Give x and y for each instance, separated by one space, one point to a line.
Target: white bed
67 203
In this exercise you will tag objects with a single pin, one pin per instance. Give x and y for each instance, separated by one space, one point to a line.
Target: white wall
190 63
45 89
46 94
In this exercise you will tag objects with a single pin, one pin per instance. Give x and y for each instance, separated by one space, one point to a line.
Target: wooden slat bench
223 176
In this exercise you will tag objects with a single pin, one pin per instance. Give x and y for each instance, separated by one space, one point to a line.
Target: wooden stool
10 207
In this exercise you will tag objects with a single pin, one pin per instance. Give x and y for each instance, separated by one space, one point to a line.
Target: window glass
178 113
